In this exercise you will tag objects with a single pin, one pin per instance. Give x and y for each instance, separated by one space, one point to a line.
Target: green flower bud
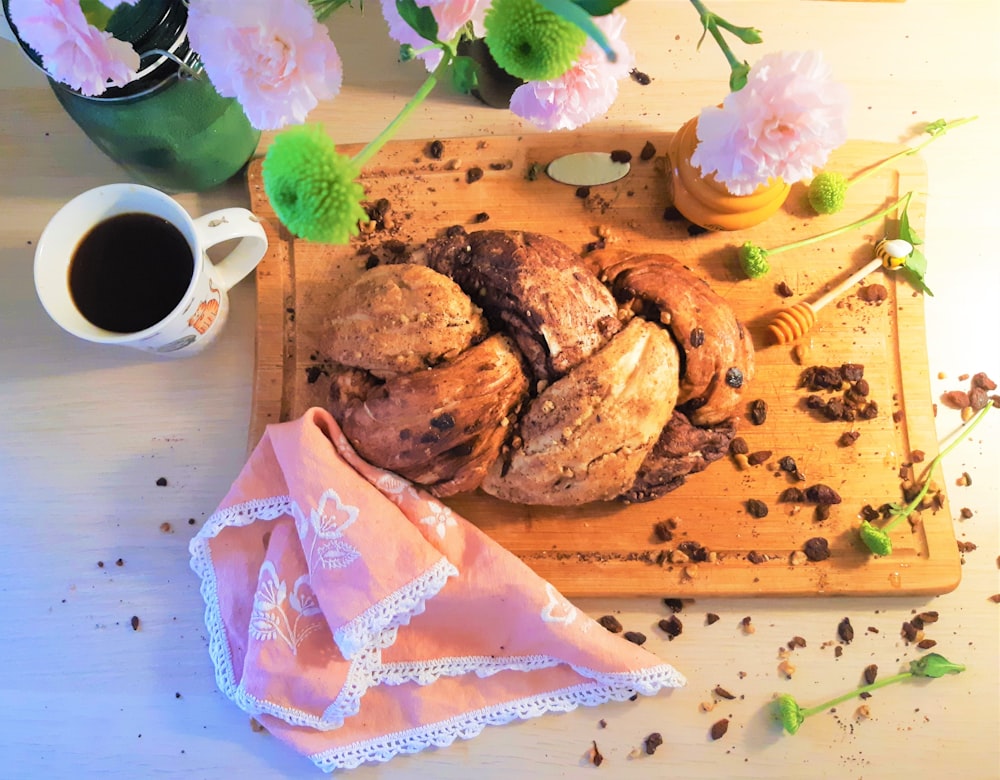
312 187
827 192
789 713
875 539
753 260
531 42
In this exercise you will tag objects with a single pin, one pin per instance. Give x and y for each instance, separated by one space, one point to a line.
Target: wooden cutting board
611 549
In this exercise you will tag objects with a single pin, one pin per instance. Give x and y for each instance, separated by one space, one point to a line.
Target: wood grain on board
611 549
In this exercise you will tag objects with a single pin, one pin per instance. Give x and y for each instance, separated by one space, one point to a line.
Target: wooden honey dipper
793 322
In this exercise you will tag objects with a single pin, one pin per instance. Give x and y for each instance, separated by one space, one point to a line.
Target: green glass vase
168 128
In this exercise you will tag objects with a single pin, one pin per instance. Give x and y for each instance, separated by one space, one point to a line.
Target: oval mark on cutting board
587 169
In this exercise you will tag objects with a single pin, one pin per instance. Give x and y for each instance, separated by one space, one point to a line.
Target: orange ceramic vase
705 201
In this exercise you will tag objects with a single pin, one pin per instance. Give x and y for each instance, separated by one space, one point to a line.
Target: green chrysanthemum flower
531 42
753 260
827 192
875 539
789 713
312 187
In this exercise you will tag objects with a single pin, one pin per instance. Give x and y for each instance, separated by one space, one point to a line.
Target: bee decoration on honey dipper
792 323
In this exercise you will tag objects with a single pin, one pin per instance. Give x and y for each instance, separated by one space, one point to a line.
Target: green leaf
96 13
576 15
464 74
934 665
917 263
599 7
420 18
906 231
916 280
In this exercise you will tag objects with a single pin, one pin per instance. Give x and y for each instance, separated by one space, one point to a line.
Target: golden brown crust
717 350
400 318
585 436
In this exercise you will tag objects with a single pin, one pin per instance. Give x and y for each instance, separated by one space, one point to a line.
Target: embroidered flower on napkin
357 617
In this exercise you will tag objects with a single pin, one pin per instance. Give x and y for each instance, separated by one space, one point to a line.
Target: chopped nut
707 706
800 353
747 625
797 558
742 461
863 712
787 668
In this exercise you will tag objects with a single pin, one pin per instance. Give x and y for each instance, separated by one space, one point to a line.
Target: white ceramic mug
202 310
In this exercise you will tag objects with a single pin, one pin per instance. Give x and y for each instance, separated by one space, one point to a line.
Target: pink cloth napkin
357 617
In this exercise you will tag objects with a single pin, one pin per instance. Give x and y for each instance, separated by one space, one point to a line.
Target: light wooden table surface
86 431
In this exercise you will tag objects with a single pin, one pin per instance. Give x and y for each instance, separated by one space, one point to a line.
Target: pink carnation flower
73 52
585 91
782 124
271 55
450 15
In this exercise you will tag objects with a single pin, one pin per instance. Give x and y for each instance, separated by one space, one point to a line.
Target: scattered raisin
481 217
847 438
822 494
161 482
653 741
983 381
869 513
734 377
909 631
648 151
738 446
710 618
756 458
583 192
663 531
697 337
611 623
674 605
978 398
135 622
852 372
758 411
756 508
791 495
722 693
822 512
719 728
635 637
435 149
639 77
871 672
596 758
926 644
784 290
817 549
845 631
671 626
955 399
473 175
621 156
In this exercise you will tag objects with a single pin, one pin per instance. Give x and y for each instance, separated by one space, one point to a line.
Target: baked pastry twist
504 361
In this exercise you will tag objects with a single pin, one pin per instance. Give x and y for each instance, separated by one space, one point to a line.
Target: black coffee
130 271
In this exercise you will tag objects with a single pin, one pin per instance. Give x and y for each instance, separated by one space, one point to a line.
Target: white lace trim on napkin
468 726
374 626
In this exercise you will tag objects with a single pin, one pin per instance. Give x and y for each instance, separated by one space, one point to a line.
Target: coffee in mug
125 264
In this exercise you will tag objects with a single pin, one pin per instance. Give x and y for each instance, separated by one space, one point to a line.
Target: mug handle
228 224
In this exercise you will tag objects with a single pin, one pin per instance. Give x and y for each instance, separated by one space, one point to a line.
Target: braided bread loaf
502 360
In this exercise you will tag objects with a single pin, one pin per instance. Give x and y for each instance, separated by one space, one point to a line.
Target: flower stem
373 146
964 431
712 22
913 150
856 692
903 201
